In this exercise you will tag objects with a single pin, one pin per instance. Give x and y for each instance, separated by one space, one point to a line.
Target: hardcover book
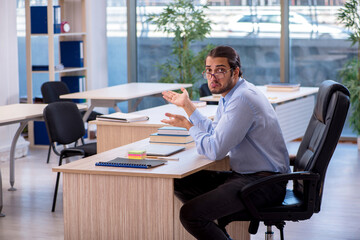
155 137
172 131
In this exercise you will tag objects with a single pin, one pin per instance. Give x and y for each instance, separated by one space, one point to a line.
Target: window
319 48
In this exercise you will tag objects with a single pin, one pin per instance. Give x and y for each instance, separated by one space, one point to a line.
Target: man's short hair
229 53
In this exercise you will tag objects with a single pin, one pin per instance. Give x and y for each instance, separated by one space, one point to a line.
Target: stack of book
282 87
171 135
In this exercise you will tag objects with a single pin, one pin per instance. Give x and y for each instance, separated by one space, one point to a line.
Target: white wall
9 76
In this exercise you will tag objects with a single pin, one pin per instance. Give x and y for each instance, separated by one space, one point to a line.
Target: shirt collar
230 93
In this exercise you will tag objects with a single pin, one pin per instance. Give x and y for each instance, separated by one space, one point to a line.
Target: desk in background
114 134
110 96
130 203
18 113
293 109
23 114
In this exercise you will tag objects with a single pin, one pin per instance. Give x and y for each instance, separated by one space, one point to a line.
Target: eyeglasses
219 74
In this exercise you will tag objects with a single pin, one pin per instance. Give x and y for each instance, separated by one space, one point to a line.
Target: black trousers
210 195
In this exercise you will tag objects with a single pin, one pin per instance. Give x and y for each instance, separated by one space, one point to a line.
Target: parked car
267 24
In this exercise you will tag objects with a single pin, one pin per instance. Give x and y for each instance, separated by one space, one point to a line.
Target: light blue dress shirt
245 128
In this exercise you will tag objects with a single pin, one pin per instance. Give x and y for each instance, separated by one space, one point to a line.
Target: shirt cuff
195 117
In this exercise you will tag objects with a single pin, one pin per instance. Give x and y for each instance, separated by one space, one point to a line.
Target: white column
97 73
96 44
9 77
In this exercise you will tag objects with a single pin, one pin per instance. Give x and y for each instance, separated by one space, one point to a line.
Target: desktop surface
189 162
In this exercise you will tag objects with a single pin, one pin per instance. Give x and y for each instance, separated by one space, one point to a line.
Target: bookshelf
71 11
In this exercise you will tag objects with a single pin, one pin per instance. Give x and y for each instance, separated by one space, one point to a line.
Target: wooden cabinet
72 11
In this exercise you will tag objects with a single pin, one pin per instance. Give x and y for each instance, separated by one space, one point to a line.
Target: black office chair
205 91
64 125
310 164
51 92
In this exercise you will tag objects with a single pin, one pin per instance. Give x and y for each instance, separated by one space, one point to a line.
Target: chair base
269 234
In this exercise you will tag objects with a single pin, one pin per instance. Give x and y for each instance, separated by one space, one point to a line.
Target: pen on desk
163 158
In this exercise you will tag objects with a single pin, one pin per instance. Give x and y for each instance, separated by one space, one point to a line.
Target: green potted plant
350 74
187 24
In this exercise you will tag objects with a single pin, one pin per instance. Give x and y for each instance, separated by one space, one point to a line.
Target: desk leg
12 155
1 198
117 108
136 104
88 112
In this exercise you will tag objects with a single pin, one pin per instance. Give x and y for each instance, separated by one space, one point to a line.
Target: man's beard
225 88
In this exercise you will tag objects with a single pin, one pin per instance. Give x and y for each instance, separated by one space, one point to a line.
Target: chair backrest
63 122
322 134
204 90
52 90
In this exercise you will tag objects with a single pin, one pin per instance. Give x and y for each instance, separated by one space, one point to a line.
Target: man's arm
230 130
180 100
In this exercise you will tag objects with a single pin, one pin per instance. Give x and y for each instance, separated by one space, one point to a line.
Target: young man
245 128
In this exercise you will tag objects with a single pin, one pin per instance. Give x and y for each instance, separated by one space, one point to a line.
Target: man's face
224 79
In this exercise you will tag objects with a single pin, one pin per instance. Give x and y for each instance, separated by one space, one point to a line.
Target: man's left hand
177 121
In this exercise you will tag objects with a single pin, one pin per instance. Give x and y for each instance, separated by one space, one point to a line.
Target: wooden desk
293 109
110 96
21 113
114 134
130 203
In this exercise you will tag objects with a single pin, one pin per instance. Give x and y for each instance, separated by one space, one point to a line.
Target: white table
293 109
21 113
110 96
18 113
275 97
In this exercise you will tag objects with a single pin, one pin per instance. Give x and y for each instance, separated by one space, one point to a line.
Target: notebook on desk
162 149
131 163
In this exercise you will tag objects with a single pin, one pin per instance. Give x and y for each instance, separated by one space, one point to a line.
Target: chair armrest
247 190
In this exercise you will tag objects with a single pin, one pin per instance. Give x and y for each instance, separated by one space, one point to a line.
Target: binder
71 53
75 84
57 19
131 163
39 19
